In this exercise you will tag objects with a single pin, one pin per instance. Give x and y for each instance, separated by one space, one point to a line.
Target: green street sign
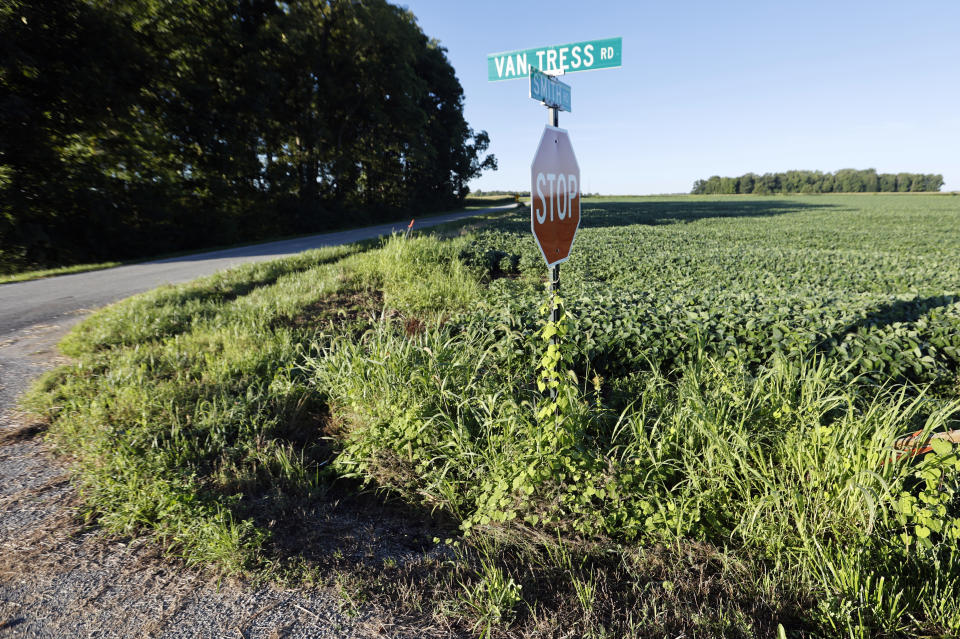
550 91
577 56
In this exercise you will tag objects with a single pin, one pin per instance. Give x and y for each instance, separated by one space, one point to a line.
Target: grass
26 276
720 456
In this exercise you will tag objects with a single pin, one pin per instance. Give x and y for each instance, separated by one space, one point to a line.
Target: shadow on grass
654 213
658 213
165 304
380 551
901 311
241 287
344 525
881 357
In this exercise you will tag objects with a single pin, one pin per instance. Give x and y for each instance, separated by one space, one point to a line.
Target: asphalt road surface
35 315
63 299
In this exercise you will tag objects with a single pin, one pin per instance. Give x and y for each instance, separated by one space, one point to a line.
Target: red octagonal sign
555 191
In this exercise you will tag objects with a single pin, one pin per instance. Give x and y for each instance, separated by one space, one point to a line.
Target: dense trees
131 127
843 181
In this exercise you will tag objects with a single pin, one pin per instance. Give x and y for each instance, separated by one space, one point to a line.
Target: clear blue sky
718 88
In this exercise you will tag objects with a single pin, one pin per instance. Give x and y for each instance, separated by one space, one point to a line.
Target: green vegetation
843 181
25 276
711 447
210 122
491 199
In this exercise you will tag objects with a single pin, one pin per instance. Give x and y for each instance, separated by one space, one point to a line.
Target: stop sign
555 191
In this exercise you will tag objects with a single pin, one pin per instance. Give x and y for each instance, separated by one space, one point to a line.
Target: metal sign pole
555 269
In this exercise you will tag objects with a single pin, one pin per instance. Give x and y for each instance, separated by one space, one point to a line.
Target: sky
717 88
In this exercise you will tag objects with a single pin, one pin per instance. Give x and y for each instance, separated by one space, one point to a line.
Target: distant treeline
843 181
136 127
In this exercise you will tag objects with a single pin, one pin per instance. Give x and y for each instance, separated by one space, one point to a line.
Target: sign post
554 173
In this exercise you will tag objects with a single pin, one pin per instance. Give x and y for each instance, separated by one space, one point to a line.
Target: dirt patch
414 326
338 310
346 528
357 309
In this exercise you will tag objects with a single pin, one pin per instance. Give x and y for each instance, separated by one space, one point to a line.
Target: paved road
62 299
35 315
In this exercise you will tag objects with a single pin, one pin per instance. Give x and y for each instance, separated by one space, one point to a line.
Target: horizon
714 195
526 189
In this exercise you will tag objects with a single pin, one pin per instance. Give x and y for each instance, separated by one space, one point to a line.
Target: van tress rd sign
565 58
555 191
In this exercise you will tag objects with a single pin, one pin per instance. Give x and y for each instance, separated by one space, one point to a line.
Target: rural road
35 315
56 299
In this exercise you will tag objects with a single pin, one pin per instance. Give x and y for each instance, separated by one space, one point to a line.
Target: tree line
134 127
843 181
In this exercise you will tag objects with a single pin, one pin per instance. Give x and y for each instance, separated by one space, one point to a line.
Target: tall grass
183 401
793 466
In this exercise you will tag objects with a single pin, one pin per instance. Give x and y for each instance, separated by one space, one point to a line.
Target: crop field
710 440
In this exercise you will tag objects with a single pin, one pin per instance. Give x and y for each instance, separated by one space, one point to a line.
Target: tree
729 186
197 122
850 181
933 183
844 181
904 181
767 184
65 143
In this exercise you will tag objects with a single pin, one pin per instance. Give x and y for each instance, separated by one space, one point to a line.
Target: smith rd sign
550 91
565 58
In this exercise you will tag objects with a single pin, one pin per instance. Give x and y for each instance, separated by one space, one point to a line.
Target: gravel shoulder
63 579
